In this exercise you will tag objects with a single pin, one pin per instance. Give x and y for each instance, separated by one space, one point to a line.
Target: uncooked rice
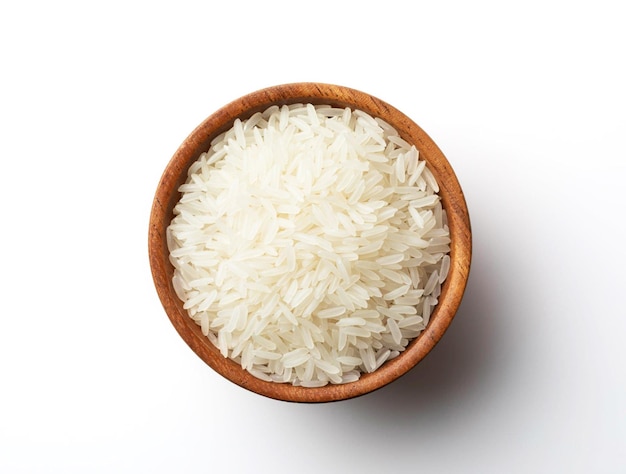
309 244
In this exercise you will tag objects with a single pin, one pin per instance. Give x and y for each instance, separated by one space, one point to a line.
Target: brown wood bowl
453 201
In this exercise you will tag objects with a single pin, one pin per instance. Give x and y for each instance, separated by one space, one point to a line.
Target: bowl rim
453 201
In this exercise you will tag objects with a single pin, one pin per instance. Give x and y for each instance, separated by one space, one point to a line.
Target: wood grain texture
453 201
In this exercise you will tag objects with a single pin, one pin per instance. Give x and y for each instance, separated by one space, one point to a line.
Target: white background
526 99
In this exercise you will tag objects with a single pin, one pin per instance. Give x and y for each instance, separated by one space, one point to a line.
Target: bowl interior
199 140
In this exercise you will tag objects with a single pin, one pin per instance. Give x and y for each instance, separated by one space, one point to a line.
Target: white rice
310 244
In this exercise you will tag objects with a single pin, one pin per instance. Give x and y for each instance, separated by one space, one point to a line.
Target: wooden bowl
453 201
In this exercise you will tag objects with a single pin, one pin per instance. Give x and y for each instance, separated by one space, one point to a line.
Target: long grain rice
309 244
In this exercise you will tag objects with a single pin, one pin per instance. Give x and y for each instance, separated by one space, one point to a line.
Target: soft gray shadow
460 366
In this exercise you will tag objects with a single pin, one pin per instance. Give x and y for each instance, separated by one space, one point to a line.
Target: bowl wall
199 140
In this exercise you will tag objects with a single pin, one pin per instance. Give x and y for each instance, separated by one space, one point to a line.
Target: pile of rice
309 244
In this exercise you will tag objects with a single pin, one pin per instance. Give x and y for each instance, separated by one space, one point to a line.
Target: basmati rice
309 244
